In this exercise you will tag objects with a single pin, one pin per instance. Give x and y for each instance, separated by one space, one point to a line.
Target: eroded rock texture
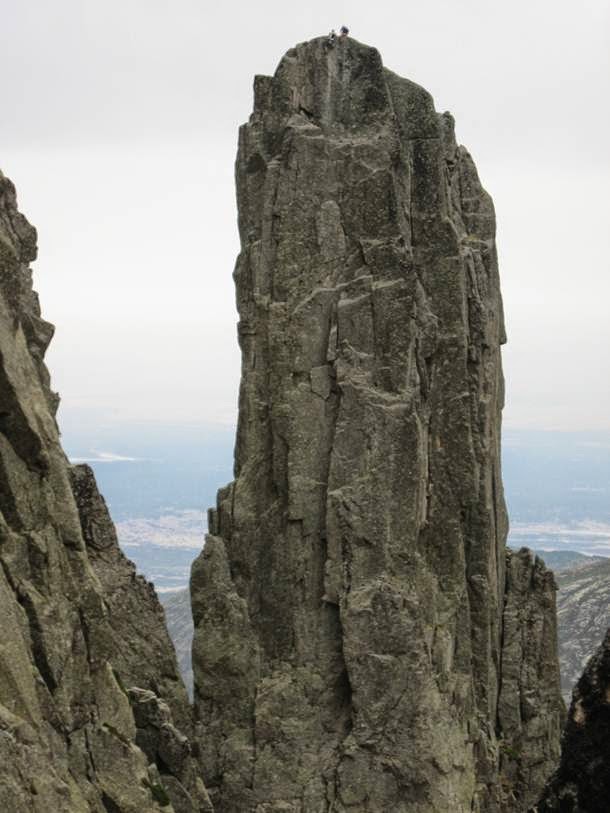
349 601
582 781
78 627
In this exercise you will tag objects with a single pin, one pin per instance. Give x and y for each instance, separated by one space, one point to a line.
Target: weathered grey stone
77 624
529 709
142 653
168 749
583 610
348 604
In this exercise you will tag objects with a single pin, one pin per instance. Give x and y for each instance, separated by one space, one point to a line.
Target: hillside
179 622
583 611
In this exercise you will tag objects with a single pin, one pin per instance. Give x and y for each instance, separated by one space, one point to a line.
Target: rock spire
362 642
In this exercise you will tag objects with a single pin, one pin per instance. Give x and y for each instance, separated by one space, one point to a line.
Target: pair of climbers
343 33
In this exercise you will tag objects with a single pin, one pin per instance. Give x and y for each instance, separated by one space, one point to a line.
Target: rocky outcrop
358 633
142 656
529 709
582 781
134 610
169 751
583 610
79 628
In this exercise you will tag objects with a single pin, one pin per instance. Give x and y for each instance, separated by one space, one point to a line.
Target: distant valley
158 481
164 546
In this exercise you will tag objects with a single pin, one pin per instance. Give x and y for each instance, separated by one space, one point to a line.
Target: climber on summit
344 30
332 37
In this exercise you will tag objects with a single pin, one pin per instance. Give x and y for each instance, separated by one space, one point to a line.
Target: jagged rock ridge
90 696
362 642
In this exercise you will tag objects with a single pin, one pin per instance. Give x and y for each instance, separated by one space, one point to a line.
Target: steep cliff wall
79 630
348 605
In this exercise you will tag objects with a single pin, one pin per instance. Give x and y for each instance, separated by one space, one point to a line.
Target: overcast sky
118 125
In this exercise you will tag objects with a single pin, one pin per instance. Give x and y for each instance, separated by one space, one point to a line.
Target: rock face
79 628
583 615
582 781
529 709
359 637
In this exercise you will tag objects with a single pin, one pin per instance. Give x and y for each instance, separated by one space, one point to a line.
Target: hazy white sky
118 124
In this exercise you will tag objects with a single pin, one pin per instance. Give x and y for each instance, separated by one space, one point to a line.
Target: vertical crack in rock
367 461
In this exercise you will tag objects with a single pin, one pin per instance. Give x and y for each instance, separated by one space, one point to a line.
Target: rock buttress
348 603
78 627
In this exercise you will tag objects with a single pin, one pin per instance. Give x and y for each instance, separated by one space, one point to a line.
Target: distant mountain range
561 561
